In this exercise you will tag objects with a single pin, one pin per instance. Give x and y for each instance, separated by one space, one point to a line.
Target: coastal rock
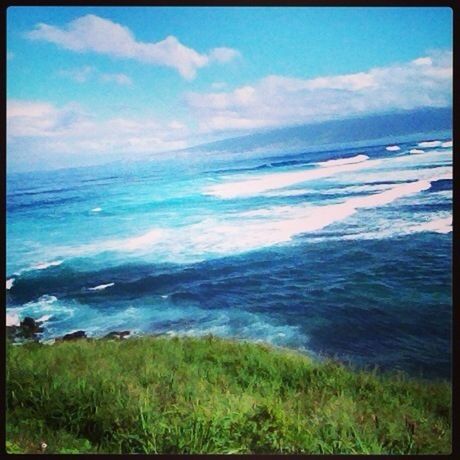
28 328
74 336
12 332
20 331
29 323
117 335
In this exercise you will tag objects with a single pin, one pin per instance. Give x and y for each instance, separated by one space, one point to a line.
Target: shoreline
32 329
212 395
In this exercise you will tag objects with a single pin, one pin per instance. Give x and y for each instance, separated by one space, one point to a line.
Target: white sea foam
443 225
37 308
281 224
343 161
101 287
402 173
96 209
44 265
447 144
429 144
382 228
390 195
393 148
44 318
416 151
139 242
267 182
9 283
130 244
43 300
237 232
324 192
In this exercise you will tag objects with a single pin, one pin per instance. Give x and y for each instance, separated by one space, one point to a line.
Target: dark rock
31 324
12 332
28 322
117 335
74 335
29 327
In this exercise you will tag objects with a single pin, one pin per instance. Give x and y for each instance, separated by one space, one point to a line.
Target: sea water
343 253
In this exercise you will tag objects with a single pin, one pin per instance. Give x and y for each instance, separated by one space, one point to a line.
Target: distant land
356 132
385 127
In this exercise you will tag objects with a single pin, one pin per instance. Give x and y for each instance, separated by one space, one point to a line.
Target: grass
207 395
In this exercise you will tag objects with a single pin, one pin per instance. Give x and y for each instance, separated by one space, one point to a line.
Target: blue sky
146 80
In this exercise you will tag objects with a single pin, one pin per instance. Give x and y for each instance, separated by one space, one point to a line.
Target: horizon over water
344 253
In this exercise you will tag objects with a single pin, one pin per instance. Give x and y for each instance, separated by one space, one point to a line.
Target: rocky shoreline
29 330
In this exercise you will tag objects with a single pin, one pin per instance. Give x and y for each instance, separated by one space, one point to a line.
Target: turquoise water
345 253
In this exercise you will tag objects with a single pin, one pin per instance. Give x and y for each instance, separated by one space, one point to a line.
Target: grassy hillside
189 395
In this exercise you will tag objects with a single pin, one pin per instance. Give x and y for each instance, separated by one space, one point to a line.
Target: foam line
101 287
280 180
343 161
429 144
443 225
45 265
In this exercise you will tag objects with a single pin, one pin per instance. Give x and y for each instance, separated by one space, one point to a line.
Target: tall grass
207 395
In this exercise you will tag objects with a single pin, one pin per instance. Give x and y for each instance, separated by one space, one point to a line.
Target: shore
209 395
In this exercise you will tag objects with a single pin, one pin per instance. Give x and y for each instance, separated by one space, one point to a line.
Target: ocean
342 253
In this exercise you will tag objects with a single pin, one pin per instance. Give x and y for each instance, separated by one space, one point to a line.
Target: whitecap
12 319
44 265
101 287
393 148
129 244
96 210
429 144
443 225
343 161
139 242
267 182
446 144
9 283
217 237
250 230
45 299
416 151
44 318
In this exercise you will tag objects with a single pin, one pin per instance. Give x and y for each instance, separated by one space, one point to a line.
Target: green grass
192 395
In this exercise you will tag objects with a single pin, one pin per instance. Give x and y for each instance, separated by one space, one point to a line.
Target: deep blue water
347 258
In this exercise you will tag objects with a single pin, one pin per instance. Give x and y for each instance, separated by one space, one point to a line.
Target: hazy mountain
385 127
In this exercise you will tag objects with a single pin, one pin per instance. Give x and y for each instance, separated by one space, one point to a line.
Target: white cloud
224 54
119 78
279 101
87 73
40 119
176 125
99 35
69 135
80 75
423 61
219 85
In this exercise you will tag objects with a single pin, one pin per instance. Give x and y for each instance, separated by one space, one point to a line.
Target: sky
89 85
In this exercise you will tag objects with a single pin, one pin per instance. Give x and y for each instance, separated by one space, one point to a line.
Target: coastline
209 395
